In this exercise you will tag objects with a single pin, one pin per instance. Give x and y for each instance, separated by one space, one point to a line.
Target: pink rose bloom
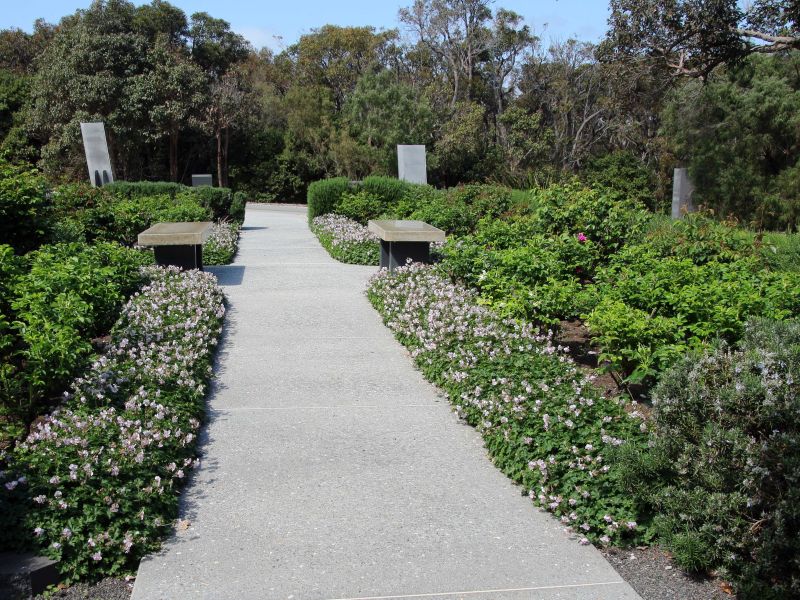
581 237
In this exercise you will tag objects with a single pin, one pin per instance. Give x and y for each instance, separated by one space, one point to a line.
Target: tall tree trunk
220 178
173 154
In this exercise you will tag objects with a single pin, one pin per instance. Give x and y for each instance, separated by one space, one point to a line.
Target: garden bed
95 484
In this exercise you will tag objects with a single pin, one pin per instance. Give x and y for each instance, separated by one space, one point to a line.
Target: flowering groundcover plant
222 244
543 422
95 484
346 240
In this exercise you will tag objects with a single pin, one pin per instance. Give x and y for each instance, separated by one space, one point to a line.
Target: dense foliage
95 485
721 474
56 301
544 423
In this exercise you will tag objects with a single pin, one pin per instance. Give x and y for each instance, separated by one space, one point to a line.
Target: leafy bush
140 189
390 190
721 474
622 172
129 217
544 424
346 240
324 196
781 252
238 205
221 245
218 201
653 308
25 210
95 485
608 218
67 295
360 206
521 273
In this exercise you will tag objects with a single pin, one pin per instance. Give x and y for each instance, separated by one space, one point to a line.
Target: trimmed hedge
324 196
219 201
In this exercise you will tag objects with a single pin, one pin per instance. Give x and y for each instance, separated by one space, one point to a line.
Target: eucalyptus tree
692 37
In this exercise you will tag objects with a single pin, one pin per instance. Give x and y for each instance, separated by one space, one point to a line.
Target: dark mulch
653 575
108 589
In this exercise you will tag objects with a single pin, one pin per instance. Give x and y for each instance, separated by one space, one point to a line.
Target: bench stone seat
405 240
26 575
177 244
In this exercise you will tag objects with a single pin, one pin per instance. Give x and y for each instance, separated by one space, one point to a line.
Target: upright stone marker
202 180
97 157
411 164
682 190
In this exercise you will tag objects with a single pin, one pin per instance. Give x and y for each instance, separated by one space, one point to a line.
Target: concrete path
331 470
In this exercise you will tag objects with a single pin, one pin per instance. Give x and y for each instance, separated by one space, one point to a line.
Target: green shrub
607 218
674 303
238 205
388 190
218 201
622 172
781 251
523 274
699 238
67 295
139 189
721 473
25 210
324 196
360 206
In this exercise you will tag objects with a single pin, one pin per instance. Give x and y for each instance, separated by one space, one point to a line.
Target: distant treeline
708 85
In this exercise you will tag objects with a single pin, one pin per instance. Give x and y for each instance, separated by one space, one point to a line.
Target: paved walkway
331 470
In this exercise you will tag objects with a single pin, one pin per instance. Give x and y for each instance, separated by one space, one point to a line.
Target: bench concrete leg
184 257
395 254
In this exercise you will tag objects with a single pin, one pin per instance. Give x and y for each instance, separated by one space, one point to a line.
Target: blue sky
584 19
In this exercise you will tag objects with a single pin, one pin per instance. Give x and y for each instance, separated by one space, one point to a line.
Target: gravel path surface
651 573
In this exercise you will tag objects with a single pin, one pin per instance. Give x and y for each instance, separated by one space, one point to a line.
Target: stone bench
178 244
26 575
403 240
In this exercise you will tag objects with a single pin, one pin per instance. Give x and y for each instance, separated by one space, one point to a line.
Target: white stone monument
97 158
411 164
682 190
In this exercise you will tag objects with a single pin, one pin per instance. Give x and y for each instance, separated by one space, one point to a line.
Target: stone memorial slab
98 160
682 190
411 163
202 180
177 244
405 240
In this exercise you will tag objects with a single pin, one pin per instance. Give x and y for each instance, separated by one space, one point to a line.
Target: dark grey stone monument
682 190
202 180
177 244
411 164
26 575
98 160
402 241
